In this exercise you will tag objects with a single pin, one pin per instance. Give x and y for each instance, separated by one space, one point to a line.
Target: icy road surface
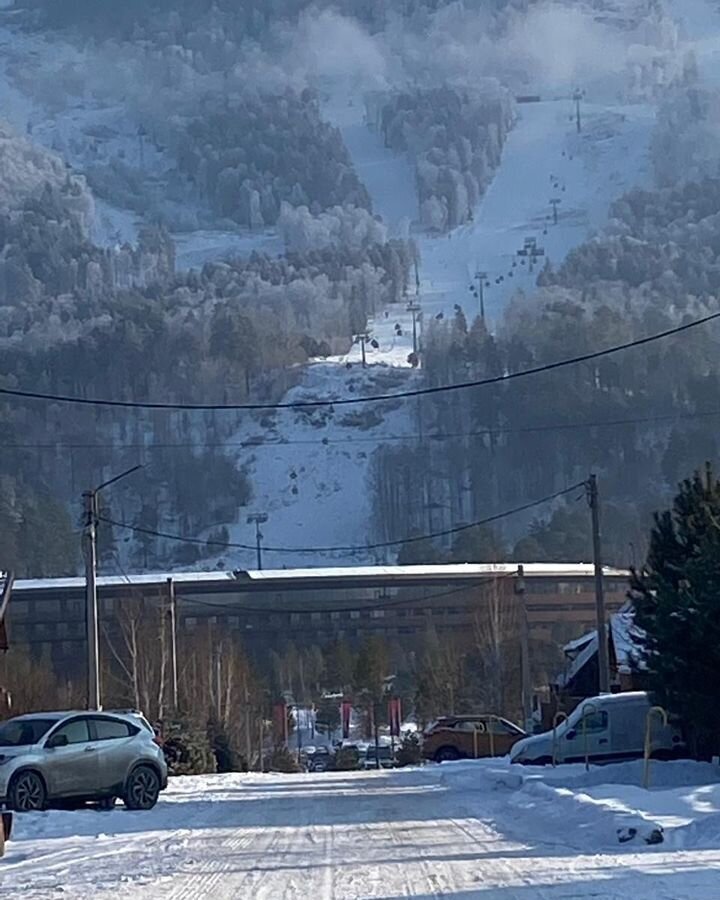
335 836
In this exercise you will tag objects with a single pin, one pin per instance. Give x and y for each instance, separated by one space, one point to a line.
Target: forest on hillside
641 419
88 321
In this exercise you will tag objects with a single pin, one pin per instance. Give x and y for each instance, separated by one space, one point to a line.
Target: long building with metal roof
313 605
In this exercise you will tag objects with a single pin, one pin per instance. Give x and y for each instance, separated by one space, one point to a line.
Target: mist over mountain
210 203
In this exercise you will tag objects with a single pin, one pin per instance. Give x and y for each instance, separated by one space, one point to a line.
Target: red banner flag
395 716
346 713
280 723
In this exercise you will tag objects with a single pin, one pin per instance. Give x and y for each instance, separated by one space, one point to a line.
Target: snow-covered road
335 836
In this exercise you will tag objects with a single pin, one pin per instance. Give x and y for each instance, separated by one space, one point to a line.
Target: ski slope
313 474
316 463
425 834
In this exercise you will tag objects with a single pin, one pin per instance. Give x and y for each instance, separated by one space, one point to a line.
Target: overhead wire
346 549
347 401
362 607
385 438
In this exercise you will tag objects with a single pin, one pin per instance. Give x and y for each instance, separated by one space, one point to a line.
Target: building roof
626 636
278 577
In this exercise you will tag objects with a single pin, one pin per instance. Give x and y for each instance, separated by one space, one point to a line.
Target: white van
608 728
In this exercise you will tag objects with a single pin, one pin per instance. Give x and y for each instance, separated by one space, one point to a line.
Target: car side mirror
57 740
571 735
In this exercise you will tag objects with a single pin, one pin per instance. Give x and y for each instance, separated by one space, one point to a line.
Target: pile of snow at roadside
607 804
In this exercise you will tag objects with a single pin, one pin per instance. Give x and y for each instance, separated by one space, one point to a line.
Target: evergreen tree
677 602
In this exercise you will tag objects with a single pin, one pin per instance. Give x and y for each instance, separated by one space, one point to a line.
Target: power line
388 438
363 607
356 549
348 401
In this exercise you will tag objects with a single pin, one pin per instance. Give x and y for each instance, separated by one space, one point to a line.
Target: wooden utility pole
526 682
248 736
172 609
218 682
89 545
91 600
602 637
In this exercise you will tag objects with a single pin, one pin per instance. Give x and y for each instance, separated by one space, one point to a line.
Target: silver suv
65 759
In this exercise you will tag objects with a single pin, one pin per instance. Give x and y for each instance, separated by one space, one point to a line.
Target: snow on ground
340 836
305 479
314 460
195 248
544 158
590 170
607 804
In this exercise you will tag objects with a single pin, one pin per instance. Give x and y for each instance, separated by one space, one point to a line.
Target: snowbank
607 804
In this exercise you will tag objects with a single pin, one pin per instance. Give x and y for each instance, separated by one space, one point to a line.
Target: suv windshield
23 732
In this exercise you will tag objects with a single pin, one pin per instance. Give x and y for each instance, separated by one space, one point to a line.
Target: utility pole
91 600
92 627
577 97
524 650
172 609
248 736
259 519
414 308
363 338
603 661
142 134
218 682
479 291
555 202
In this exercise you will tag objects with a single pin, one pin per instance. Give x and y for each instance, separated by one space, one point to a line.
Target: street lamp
89 539
258 519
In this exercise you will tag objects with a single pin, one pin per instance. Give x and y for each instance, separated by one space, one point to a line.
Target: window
592 722
469 726
76 731
112 729
23 732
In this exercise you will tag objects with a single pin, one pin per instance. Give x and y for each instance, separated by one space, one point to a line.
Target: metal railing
652 712
591 707
557 719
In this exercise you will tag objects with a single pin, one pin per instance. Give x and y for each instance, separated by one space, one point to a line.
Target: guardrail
652 712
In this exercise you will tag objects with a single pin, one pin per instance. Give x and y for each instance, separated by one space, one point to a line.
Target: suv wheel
27 793
143 788
447 754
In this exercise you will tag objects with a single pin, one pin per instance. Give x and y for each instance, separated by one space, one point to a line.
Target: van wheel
446 754
143 788
27 793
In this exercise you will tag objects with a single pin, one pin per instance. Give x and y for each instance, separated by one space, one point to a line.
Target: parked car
469 737
610 728
385 755
61 759
320 760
